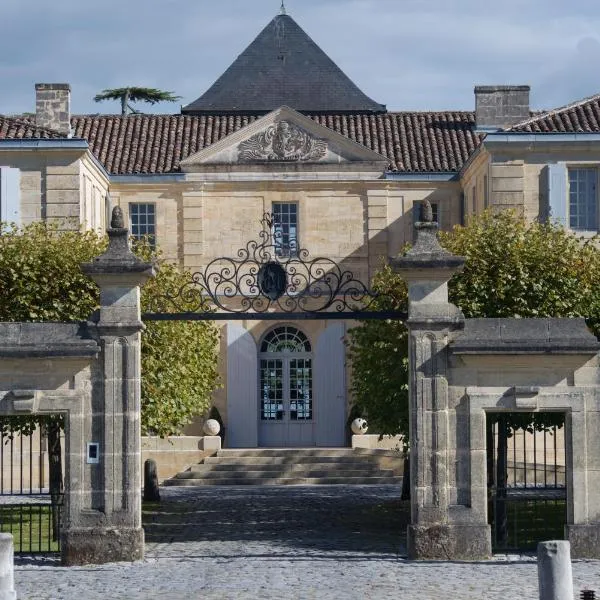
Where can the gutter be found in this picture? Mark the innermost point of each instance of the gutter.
(393, 176)
(148, 178)
(538, 138)
(44, 144)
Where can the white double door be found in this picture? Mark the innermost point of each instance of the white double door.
(286, 415)
(299, 415)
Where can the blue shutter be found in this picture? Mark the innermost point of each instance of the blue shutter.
(556, 180)
(10, 195)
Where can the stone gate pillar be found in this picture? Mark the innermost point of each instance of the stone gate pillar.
(433, 534)
(109, 525)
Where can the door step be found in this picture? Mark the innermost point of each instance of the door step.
(294, 466)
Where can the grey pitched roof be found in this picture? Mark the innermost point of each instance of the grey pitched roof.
(283, 66)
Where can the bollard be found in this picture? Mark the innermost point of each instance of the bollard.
(151, 491)
(7, 568)
(555, 576)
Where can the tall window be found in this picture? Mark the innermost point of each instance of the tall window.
(583, 199)
(285, 229)
(143, 222)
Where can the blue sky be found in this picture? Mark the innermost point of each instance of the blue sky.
(408, 54)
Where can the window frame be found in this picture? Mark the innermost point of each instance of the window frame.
(291, 250)
(595, 168)
(151, 237)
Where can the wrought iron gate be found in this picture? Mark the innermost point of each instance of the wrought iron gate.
(526, 479)
(262, 282)
(31, 487)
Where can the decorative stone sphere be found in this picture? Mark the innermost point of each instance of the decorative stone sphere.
(211, 427)
(359, 426)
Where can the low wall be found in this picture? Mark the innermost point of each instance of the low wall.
(173, 454)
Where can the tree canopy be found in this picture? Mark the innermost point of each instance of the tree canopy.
(513, 269)
(41, 280)
(135, 94)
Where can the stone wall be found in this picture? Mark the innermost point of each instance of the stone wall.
(67, 189)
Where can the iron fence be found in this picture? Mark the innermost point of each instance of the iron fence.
(526, 479)
(31, 490)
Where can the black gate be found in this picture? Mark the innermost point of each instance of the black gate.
(31, 482)
(271, 279)
(526, 479)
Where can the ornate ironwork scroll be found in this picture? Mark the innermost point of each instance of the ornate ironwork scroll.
(282, 141)
(267, 279)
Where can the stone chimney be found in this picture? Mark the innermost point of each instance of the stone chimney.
(53, 106)
(500, 106)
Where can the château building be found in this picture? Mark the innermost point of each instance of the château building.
(284, 131)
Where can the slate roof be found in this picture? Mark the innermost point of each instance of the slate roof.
(582, 116)
(21, 128)
(283, 66)
(413, 142)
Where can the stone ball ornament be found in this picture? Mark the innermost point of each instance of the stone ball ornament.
(211, 427)
(359, 426)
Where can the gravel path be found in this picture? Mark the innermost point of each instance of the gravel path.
(322, 542)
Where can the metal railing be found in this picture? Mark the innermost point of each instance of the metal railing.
(28, 509)
(526, 481)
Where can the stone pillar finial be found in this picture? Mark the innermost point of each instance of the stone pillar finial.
(117, 221)
(427, 268)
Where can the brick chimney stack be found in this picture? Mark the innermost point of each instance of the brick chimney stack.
(500, 106)
(53, 106)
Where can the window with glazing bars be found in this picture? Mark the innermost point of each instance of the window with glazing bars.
(285, 229)
(583, 199)
(143, 222)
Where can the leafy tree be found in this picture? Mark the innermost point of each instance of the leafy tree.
(41, 280)
(135, 94)
(512, 269)
(379, 356)
(518, 269)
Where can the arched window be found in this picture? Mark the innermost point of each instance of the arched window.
(285, 339)
(285, 376)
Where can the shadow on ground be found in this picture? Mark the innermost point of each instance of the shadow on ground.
(329, 518)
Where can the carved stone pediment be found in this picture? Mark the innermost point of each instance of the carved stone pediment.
(282, 141)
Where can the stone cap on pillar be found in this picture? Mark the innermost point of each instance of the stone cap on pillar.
(427, 268)
(118, 258)
(427, 252)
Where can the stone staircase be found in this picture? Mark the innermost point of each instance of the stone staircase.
(293, 466)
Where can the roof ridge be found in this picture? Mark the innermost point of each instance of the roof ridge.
(544, 114)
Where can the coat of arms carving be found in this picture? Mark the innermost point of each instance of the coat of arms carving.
(282, 141)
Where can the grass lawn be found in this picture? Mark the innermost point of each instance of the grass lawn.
(30, 525)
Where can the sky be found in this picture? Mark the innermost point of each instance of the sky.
(407, 54)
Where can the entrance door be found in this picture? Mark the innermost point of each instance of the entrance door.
(285, 389)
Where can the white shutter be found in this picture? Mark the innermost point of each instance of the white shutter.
(242, 389)
(556, 183)
(10, 195)
(330, 387)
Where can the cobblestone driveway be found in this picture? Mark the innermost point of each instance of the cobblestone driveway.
(318, 542)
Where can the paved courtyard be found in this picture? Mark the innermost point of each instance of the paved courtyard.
(325, 542)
